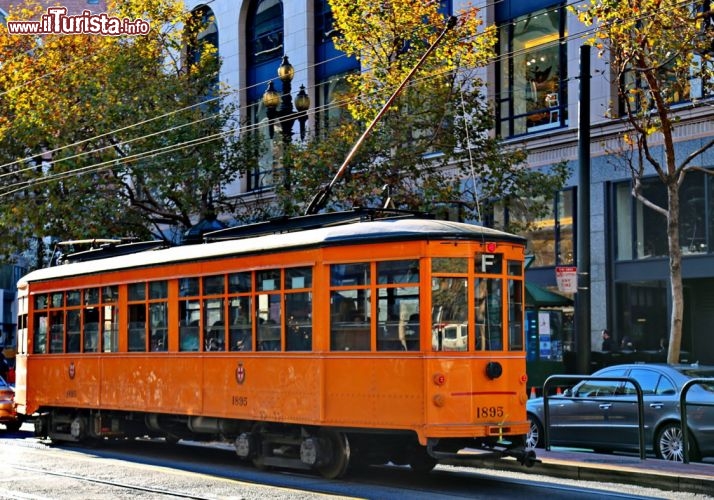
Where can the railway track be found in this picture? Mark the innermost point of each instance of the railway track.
(168, 493)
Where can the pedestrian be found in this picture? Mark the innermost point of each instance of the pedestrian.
(606, 341)
(626, 345)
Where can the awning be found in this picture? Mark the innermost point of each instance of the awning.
(537, 296)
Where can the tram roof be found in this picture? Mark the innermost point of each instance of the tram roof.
(382, 230)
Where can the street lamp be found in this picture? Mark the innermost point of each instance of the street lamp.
(285, 114)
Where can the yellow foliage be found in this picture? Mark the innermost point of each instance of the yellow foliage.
(388, 38)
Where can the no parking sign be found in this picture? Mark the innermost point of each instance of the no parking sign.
(567, 279)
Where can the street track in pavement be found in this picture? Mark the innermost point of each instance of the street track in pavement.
(114, 484)
(156, 470)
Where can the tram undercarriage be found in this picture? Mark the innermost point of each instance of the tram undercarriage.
(329, 451)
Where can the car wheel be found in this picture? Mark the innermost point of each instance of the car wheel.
(535, 437)
(669, 444)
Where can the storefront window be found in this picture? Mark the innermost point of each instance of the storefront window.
(641, 308)
(551, 237)
(641, 232)
(531, 79)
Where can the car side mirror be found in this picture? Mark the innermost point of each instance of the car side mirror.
(568, 392)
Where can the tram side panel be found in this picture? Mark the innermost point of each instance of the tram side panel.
(162, 383)
(263, 386)
(371, 392)
(462, 400)
(60, 381)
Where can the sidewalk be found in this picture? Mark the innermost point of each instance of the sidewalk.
(652, 472)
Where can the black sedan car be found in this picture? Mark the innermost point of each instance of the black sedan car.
(602, 415)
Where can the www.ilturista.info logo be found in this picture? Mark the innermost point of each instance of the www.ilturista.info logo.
(58, 22)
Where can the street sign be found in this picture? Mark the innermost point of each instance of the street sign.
(567, 278)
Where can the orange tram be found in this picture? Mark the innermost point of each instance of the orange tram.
(314, 345)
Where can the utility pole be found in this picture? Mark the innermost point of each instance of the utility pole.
(582, 299)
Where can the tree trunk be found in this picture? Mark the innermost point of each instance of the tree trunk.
(675, 273)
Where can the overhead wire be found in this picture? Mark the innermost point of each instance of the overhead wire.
(159, 117)
(202, 103)
(164, 148)
(170, 148)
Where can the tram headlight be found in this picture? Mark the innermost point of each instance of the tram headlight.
(494, 370)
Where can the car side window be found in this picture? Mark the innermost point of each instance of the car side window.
(593, 388)
(648, 380)
(665, 387)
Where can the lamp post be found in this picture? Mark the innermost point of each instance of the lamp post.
(280, 109)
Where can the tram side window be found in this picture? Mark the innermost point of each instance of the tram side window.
(137, 317)
(350, 307)
(397, 306)
(488, 296)
(515, 315)
(158, 325)
(73, 322)
(240, 315)
(73, 330)
(215, 337)
(110, 319)
(213, 313)
(57, 322)
(22, 326)
(298, 309)
(268, 312)
(137, 327)
(40, 325)
(449, 296)
(90, 320)
(241, 323)
(189, 325)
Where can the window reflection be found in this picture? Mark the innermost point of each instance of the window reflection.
(531, 95)
(551, 236)
(641, 232)
(266, 31)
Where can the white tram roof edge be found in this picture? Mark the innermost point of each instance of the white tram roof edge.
(372, 231)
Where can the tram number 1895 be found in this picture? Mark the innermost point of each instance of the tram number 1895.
(240, 401)
(489, 411)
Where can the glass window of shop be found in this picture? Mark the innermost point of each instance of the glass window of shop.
(551, 235)
(531, 73)
(641, 312)
(264, 41)
(641, 232)
(331, 68)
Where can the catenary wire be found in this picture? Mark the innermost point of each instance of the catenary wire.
(200, 104)
(101, 166)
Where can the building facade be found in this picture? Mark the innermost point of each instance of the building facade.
(534, 85)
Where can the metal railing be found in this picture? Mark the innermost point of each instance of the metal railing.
(580, 378)
(683, 409)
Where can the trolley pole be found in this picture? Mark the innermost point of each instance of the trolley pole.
(582, 299)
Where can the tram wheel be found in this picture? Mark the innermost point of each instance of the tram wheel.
(339, 455)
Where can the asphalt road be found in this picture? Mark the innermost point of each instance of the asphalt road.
(156, 470)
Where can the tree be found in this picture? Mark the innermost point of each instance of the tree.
(105, 136)
(656, 49)
(434, 147)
